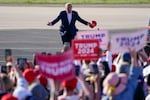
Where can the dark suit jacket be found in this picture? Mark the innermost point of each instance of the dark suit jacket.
(65, 26)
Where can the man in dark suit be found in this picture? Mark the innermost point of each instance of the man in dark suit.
(68, 19)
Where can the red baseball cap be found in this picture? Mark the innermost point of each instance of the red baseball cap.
(94, 23)
(71, 84)
(29, 75)
(8, 96)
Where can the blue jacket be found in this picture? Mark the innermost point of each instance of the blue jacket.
(65, 26)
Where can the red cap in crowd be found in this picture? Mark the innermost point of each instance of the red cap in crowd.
(71, 84)
(8, 96)
(29, 75)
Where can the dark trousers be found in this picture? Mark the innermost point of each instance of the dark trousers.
(67, 37)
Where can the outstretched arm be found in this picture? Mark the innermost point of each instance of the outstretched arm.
(85, 86)
(82, 20)
(90, 24)
(54, 21)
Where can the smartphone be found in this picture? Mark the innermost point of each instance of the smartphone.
(21, 62)
(77, 70)
(95, 68)
(8, 52)
(4, 69)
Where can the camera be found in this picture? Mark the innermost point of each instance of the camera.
(8, 55)
(21, 62)
(5, 69)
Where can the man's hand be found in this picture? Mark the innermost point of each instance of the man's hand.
(91, 25)
(63, 33)
(49, 24)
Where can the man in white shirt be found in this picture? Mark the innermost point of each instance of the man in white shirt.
(68, 19)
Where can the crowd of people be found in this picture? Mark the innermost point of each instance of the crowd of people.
(111, 77)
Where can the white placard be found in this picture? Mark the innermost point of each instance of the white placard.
(120, 42)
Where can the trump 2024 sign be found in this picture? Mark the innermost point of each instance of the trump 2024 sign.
(87, 49)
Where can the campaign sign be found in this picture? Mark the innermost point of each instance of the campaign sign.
(101, 35)
(120, 42)
(58, 66)
(87, 49)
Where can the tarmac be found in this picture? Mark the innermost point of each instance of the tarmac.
(23, 27)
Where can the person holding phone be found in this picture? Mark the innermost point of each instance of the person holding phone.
(68, 19)
(8, 55)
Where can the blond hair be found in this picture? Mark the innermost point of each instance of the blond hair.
(68, 3)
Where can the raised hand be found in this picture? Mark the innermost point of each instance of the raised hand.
(49, 24)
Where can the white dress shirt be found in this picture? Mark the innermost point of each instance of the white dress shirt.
(69, 16)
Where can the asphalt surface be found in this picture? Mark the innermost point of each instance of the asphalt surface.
(26, 42)
(23, 28)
